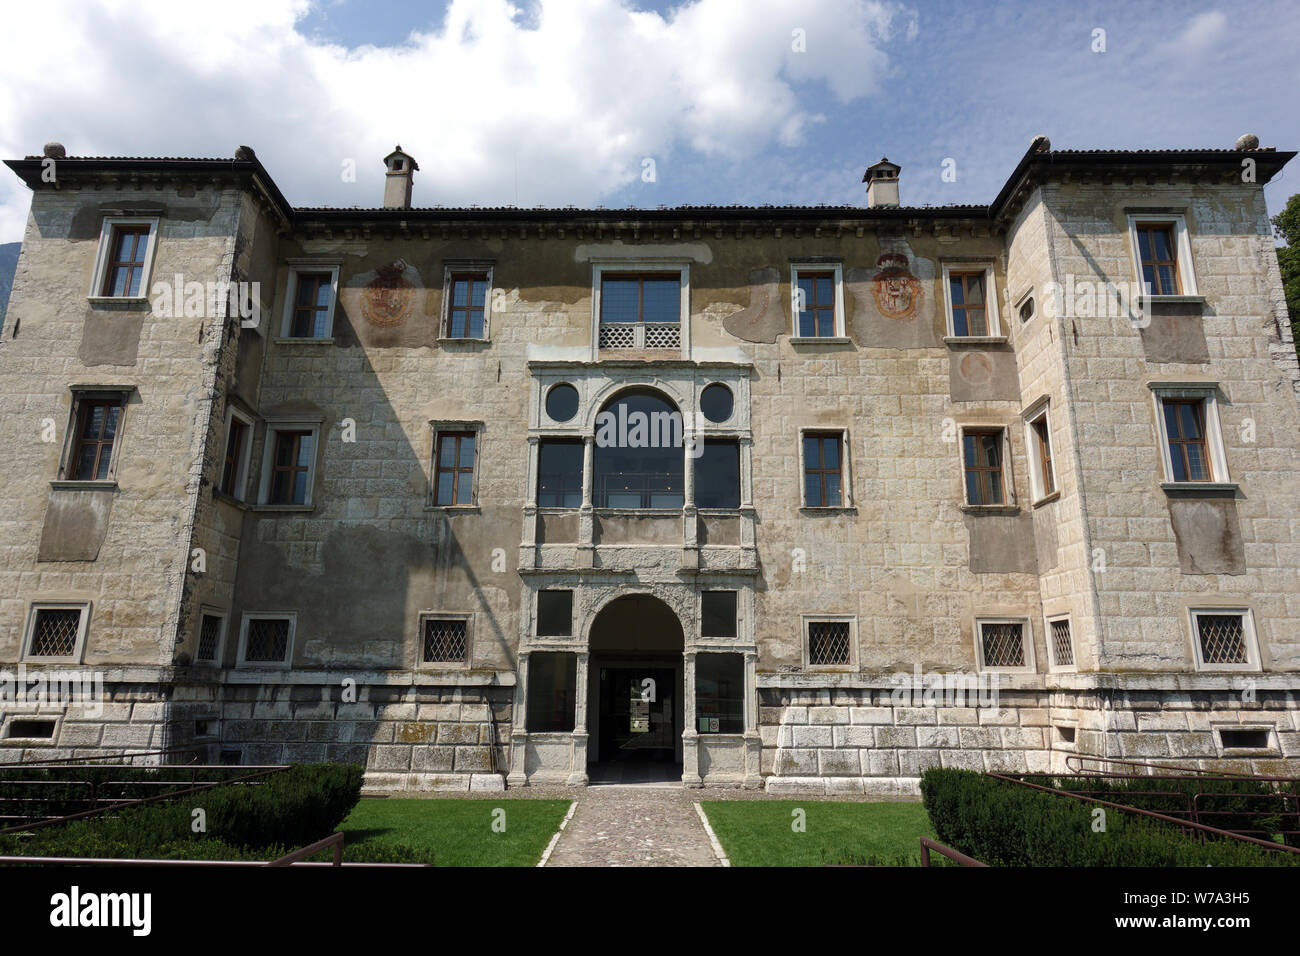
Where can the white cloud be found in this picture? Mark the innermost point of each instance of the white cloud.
(573, 96)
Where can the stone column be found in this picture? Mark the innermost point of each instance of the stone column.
(528, 546)
(690, 516)
(690, 736)
(583, 557)
(578, 768)
(518, 776)
(753, 741)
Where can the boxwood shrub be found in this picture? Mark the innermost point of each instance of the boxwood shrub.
(1004, 824)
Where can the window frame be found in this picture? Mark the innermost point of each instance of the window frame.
(1008, 484)
(439, 429)
(1043, 482)
(269, 441)
(1026, 644)
(735, 623)
(846, 467)
(242, 466)
(299, 267)
(1186, 273)
(451, 270)
(836, 269)
(430, 614)
(83, 629)
(107, 232)
(1052, 665)
(241, 660)
(1249, 637)
(1216, 452)
(992, 316)
(218, 654)
(82, 394)
(805, 642)
(600, 268)
(537, 611)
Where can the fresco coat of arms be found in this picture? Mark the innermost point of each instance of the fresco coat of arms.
(897, 292)
(389, 298)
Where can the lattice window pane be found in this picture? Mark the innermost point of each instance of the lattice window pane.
(268, 640)
(1062, 646)
(209, 635)
(1004, 644)
(445, 641)
(663, 336)
(55, 632)
(828, 642)
(1223, 638)
(617, 337)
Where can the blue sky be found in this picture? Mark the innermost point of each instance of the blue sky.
(558, 102)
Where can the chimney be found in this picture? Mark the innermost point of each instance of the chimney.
(882, 184)
(397, 182)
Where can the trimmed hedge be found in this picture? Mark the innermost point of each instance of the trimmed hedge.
(1003, 824)
(40, 791)
(291, 808)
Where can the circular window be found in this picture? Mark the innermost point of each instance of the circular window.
(716, 403)
(562, 402)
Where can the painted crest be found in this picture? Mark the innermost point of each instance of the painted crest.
(897, 292)
(389, 298)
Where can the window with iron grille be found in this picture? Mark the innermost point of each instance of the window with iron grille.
(1003, 643)
(1222, 638)
(445, 640)
(209, 638)
(1062, 644)
(982, 457)
(55, 632)
(267, 640)
(829, 643)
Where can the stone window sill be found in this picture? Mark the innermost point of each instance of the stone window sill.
(1174, 299)
(288, 509)
(122, 300)
(73, 485)
(303, 340)
(464, 340)
(454, 509)
(991, 509)
(1047, 499)
(974, 341)
(820, 340)
(1200, 489)
(828, 509)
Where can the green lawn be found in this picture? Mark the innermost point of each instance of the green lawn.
(760, 832)
(459, 832)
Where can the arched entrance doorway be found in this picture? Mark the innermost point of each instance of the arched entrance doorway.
(635, 693)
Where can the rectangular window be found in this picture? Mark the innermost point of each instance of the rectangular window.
(267, 639)
(127, 261)
(720, 693)
(1062, 643)
(444, 640)
(969, 304)
(829, 643)
(96, 429)
(1041, 443)
(640, 311)
(234, 466)
(1002, 646)
(816, 299)
(1244, 739)
(823, 469)
(453, 482)
(559, 473)
(554, 613)
(313, 292)
(466, 313)
(1158, 250)
(717, 474)
(32, 729)
(211, 631)
(1185, 432)
(56, 631)
(982, 457)
(552, 692)
(1222, 638)
(718, 614)
(291, 467)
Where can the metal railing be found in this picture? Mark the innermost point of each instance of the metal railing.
(955, 855)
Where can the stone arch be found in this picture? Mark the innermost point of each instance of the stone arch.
(636, 621)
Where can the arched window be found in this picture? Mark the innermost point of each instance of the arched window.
(639, 453)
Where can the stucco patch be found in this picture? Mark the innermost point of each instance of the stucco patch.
(1176, 333)
(1001, 544)
(764, 319)
(983, 375)
(1208, 535)
(110, 338)
(76, 521)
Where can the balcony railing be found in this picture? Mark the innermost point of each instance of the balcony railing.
(640, 335)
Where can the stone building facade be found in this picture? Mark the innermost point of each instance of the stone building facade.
(368, 485)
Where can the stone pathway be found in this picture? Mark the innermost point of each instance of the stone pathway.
(634, 826)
